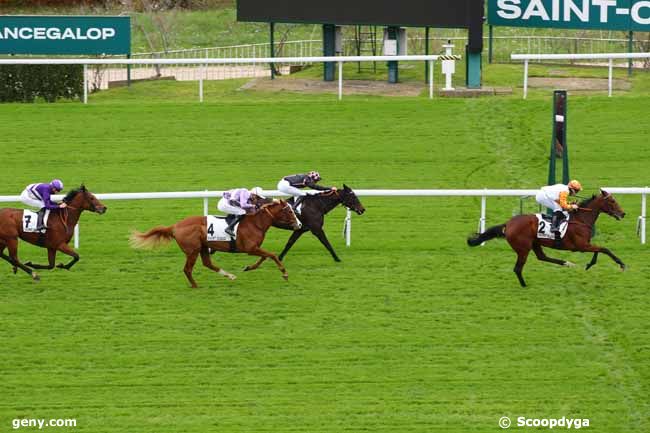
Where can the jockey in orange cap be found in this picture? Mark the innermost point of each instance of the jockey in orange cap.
(555, 198)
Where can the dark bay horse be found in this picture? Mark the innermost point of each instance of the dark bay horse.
(59, 232)
(313, 211)
(521, 233)
(191, 236)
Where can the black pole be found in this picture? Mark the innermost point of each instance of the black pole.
(490, 42)
(272, 28)
(426, 53)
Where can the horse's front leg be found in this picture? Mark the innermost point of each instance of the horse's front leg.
(596, 249)
(65, 249)
(267, 254)
(51, 258)
(255, 265)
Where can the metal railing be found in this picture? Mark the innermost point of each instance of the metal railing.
(610, 57)
(483, 193)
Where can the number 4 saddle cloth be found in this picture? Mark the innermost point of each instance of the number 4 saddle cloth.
(217, 229)
(544, 227)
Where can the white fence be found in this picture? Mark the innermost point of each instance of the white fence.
(483, 193)
(204, 62)
(610, 57)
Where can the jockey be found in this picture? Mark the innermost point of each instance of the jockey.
(238, 202)
(555, 198)
(293, 184)
(38, 195)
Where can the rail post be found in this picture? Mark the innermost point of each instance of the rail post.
(85, 84)
(76, 237)
(430, 79)
(642, 218)
(525, 78)
(610, 77)
(348, 228)
(340, 80)
(206, 207)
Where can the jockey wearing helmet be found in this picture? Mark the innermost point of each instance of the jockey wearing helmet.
(293, 184)
(237, 203)
(555, 198)
(38, 195)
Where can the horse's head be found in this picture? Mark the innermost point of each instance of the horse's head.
(83, 199)
(610, 206)
(282, 215)
(350, 200)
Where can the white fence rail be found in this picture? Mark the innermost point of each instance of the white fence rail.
(610, 57)
(483, 193)
(202, 62)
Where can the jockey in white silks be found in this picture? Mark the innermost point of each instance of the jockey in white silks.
(294, 184)
(238, 202)
(555, 197)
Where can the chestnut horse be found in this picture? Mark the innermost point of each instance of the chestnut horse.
(191, 235)
(521, 233)
(59, 232)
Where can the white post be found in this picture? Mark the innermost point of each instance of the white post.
(525, 79)
(430, 79)
(643, 217)
(206, 207)
(611, 73)
(201, 83)
(348, 228)
(85, 84)
(76, 236)
(483, 212)
(340, 80)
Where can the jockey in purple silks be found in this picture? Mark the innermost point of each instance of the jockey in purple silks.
(38, 196)
(238, 202)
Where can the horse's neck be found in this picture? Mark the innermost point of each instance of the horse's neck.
(71, 216)
(326, 203)
(262, 220)
(590, 217)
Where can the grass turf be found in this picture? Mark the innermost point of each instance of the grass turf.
(413, 331)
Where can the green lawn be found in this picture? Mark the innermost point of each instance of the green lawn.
(413, 331)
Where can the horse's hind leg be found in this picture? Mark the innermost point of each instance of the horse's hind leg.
(207, 262)
(539, 252)
(519, 266)
(255, 265)
(189, 265)
(320, 234)
(12, 246)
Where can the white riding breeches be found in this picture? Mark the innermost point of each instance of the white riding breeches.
(224, 206)
(28, 198)
(285, 187)
(548, 202)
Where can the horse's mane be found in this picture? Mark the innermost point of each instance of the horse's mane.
(585, 203)
(73, 193)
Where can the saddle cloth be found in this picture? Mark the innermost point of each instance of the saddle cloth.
(30, 220)
(217, 229)
(544, 227)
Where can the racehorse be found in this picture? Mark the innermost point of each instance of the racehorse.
(521, 233)
(59, 232)
(191, 235)
(312, 216)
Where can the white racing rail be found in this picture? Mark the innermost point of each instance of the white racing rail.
(483, 193)
(211, 61)
(610, 57)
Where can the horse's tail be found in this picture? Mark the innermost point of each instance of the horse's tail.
(491, 233)
(154, 238)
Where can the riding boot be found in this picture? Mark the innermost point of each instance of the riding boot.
(40, 226)
(297, 201)
(558, 217)
(232, 220)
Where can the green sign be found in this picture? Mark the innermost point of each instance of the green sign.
(27, 34)
(627, 15)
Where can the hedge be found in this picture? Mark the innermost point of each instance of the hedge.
(26, 83)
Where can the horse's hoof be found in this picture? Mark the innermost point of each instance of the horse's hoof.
(247, 268)
(569, 264)
(28, 264)
(588, 267)
(35, 277)
(232, 277)
(623, 268)
(336, 259)
(15, 270)
(286, 277)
